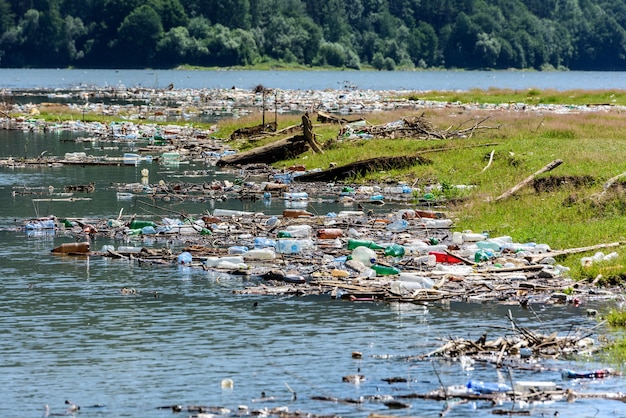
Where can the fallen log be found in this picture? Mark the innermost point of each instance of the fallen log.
(569, 251)
(528, 179)
(362, 167)
(276, 151)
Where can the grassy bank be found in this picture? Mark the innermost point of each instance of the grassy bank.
(566, 210)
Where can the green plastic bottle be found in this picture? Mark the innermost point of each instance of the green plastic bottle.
(138, 224)
(384, 270)
(283, 234)
(353, 243)
(394, 250)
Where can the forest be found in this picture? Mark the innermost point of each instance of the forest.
(352, 34)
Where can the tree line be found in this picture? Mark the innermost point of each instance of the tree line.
(383, 34)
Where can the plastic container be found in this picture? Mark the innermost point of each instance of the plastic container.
(296, 196)
(437, 223)
(483, 255)
(148, 230)
(384, 270)
(296, 213)
(488, 245)
(329, 233)
(365, 255)
(237, 249)
(299, 231)
(394, 250)
(443, 257)
(260, 254)
(230, 212)
(408, 277)
(472, 237)
(487, 387)
(184, 258)
(293, 245)
(128, 249)
(138, 224)
(72, 247)
(400, 225)
(354, 243)
(263, 242)
(214, 261)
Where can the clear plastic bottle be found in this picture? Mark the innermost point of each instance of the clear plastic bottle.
(398, 226)
(365, 255)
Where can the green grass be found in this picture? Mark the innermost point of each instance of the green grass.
(569, 215)
(530, 96)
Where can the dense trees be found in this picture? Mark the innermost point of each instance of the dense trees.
(384, 34)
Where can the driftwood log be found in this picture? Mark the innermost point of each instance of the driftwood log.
(279, 150)
(362, 167)
(528, 179)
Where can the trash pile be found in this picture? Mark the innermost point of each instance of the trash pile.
(406, 255)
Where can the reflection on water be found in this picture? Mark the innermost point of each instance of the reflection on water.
(70, 333)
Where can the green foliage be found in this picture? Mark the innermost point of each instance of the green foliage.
(383, 34)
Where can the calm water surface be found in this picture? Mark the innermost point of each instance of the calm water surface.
(68, 333)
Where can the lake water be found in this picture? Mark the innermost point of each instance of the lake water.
(316, 80)
(68, 332)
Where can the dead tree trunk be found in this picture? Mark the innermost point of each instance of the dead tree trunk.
(528, 179)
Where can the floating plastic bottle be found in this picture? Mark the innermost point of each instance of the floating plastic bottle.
(296, 196)
(365, 255)
(296, 213)
(487, 387)
(72, 247)
(293, 245)
(128, 249)
(397, 226)
(394, 250)
(483, 255)
(384, 270)
(138, 224)
(260, 254)
(148, 230)
(488, 245)
(263, 242)
(329, 233)
(299, 231)
(184, 258)
(237, 249)
(354, 243)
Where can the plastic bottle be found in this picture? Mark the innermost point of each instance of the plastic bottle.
(148, 230)
(272, 222)
(384, 270)
(487, 387)
(354, 243)
(128, 249)
(472, 237)
(72, 247)
(397, 226)
(329, 233)
(237, 249)
(259, 254)
(184, 258)
(263, 242)
(138, 224)
(296, 213)
(394, 250)
(293, 245)
(299, 231)
(483, 255)
(230, 212)
(437, 223)
(365, 255)
(296, 196)
(409, 277)
(488, 245)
